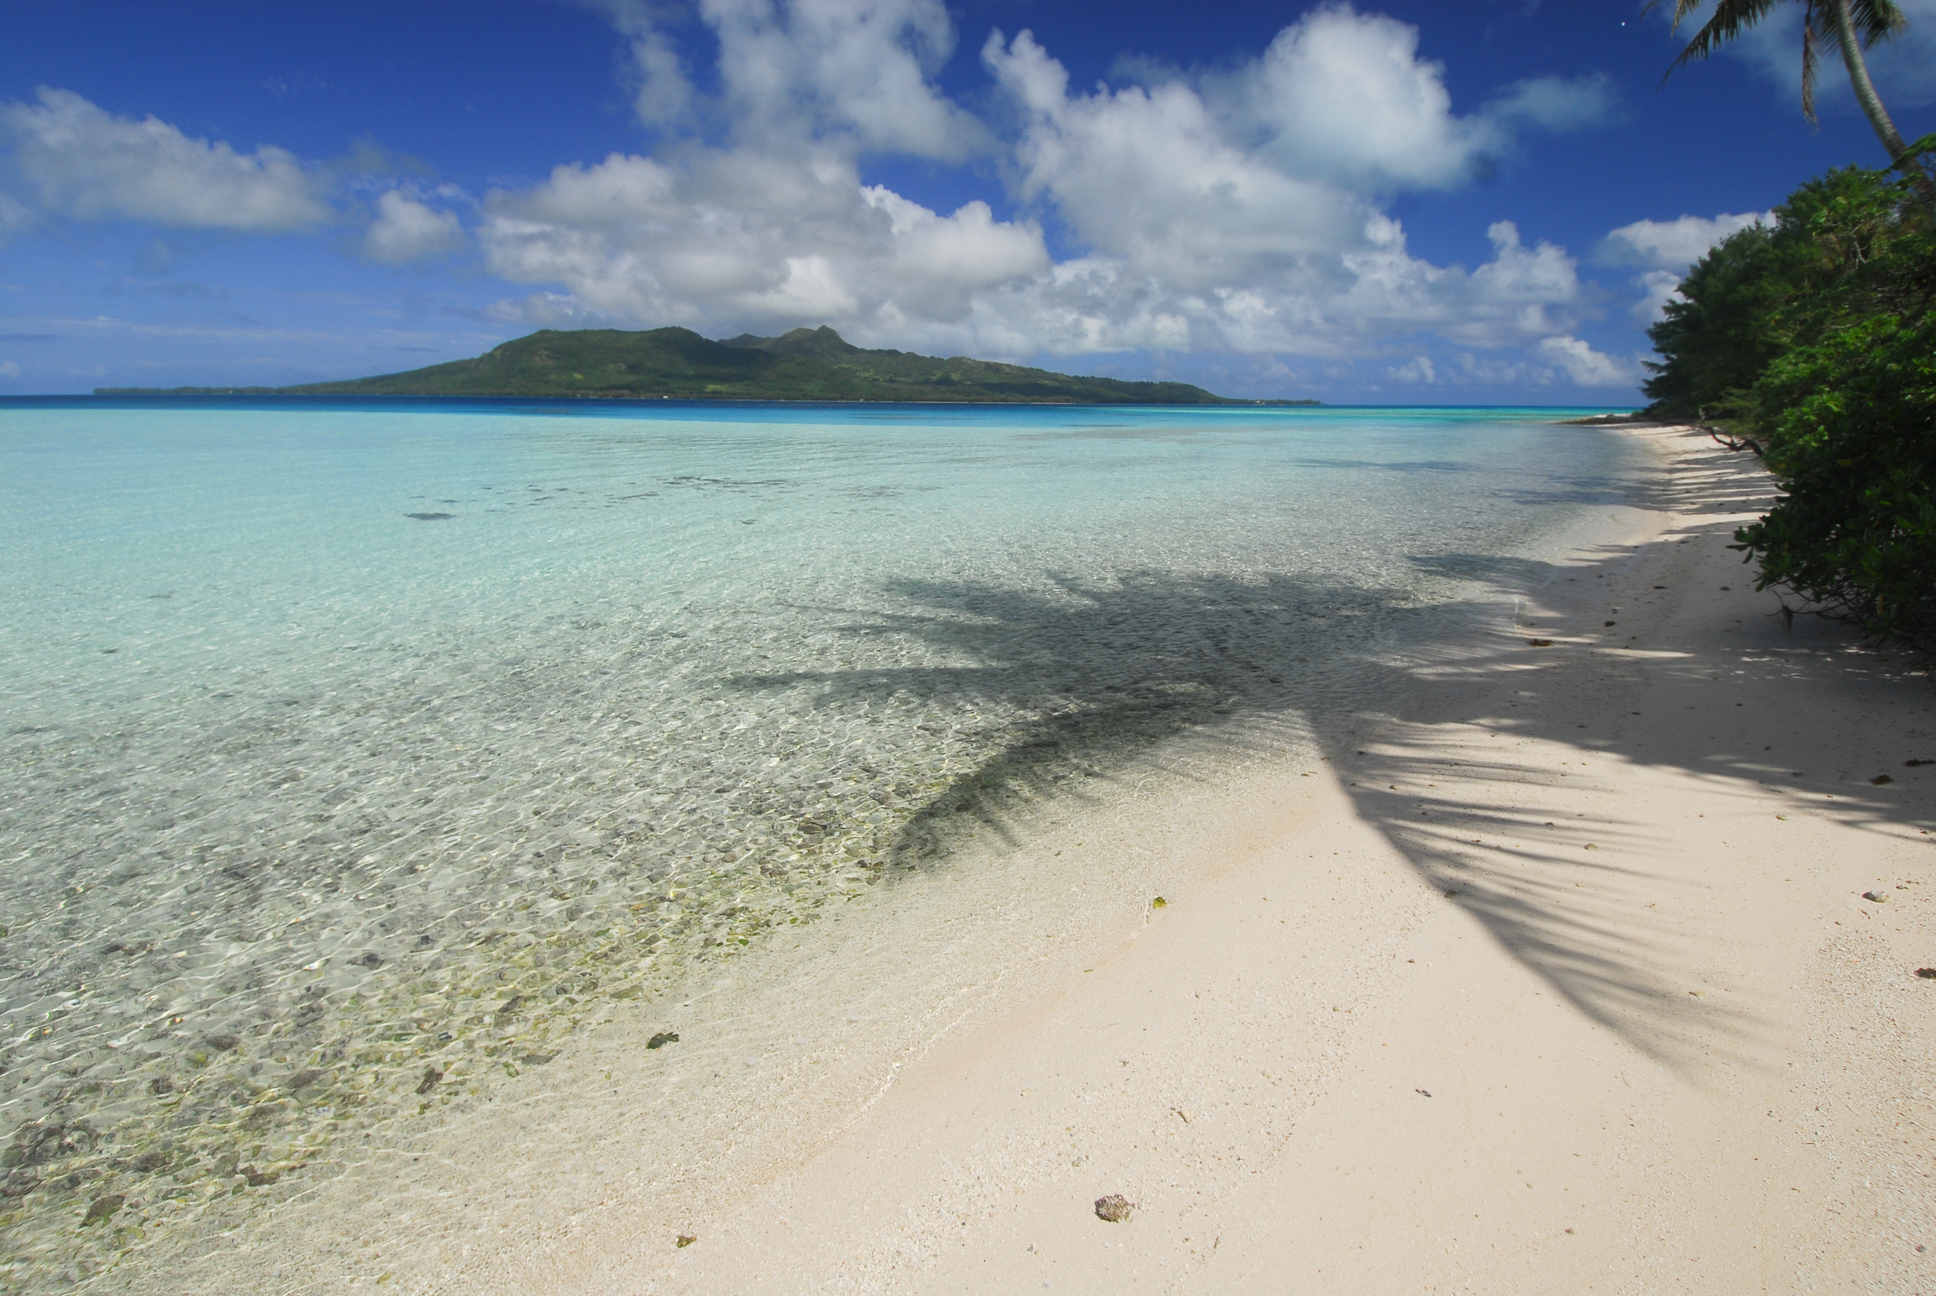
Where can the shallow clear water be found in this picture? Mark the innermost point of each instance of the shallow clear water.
(350, 756)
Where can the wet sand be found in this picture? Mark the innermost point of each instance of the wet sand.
(1560, 977)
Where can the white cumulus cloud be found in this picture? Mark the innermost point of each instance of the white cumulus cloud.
(1679, 243)
(789, 70)
(840, 66)
(407, 229)
(1344, 96)
(734, 237)
(1657, 288)
(74, 159)
(1665, 250)
(1585, 366)
(1419, 369)
(664, 93)
(1238, 210)
(1235, 212)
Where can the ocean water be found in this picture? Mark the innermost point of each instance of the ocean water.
(352, 756)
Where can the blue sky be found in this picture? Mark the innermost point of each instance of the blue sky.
(1410, 202)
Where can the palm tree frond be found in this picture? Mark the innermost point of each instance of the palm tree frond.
(1682, 8)
(1731, 18)
(1850, 25)
(1877, 19)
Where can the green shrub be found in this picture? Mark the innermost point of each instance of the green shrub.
(1764, 289)
(1813, 343)
(1850, 426)
(1717, 335)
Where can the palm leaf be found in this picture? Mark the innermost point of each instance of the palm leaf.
(1731, 18)
(1876, 19)
(1861, 22)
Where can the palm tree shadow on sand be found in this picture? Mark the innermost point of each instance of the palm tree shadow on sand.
(1107, 675)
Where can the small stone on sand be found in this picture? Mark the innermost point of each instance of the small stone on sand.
(1113, 1209)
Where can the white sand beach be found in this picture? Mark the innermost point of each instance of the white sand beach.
(1560, 978)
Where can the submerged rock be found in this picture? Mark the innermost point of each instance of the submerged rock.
(102, 1209)
(1113, 1209)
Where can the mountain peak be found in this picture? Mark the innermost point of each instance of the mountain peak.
(822, 341)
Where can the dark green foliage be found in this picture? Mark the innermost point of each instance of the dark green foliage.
(1814, 344)
(1761, 291)
(1846, 415)
(806, 364)
(1717, 335)
(1853, 439)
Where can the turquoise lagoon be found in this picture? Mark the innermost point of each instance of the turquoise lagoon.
(353, 754)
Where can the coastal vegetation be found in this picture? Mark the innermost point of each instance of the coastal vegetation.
(679, 364)
(1811, 342)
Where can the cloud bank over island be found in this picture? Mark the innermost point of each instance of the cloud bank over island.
(1230, 211)
(1241, 211)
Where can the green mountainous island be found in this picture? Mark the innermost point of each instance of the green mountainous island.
(676, 363)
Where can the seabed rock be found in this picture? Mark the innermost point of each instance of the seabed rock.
(102, 1209)
(1113, 1209)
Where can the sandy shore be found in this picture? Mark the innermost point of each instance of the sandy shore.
(1559, 980)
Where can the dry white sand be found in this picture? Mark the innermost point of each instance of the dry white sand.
(1559, 980)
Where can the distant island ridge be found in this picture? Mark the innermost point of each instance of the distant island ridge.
(678, 364)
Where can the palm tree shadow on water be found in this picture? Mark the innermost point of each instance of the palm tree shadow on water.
(1090, 677)
(1103, 675)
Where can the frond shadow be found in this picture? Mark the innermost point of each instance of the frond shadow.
(1107, 674)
